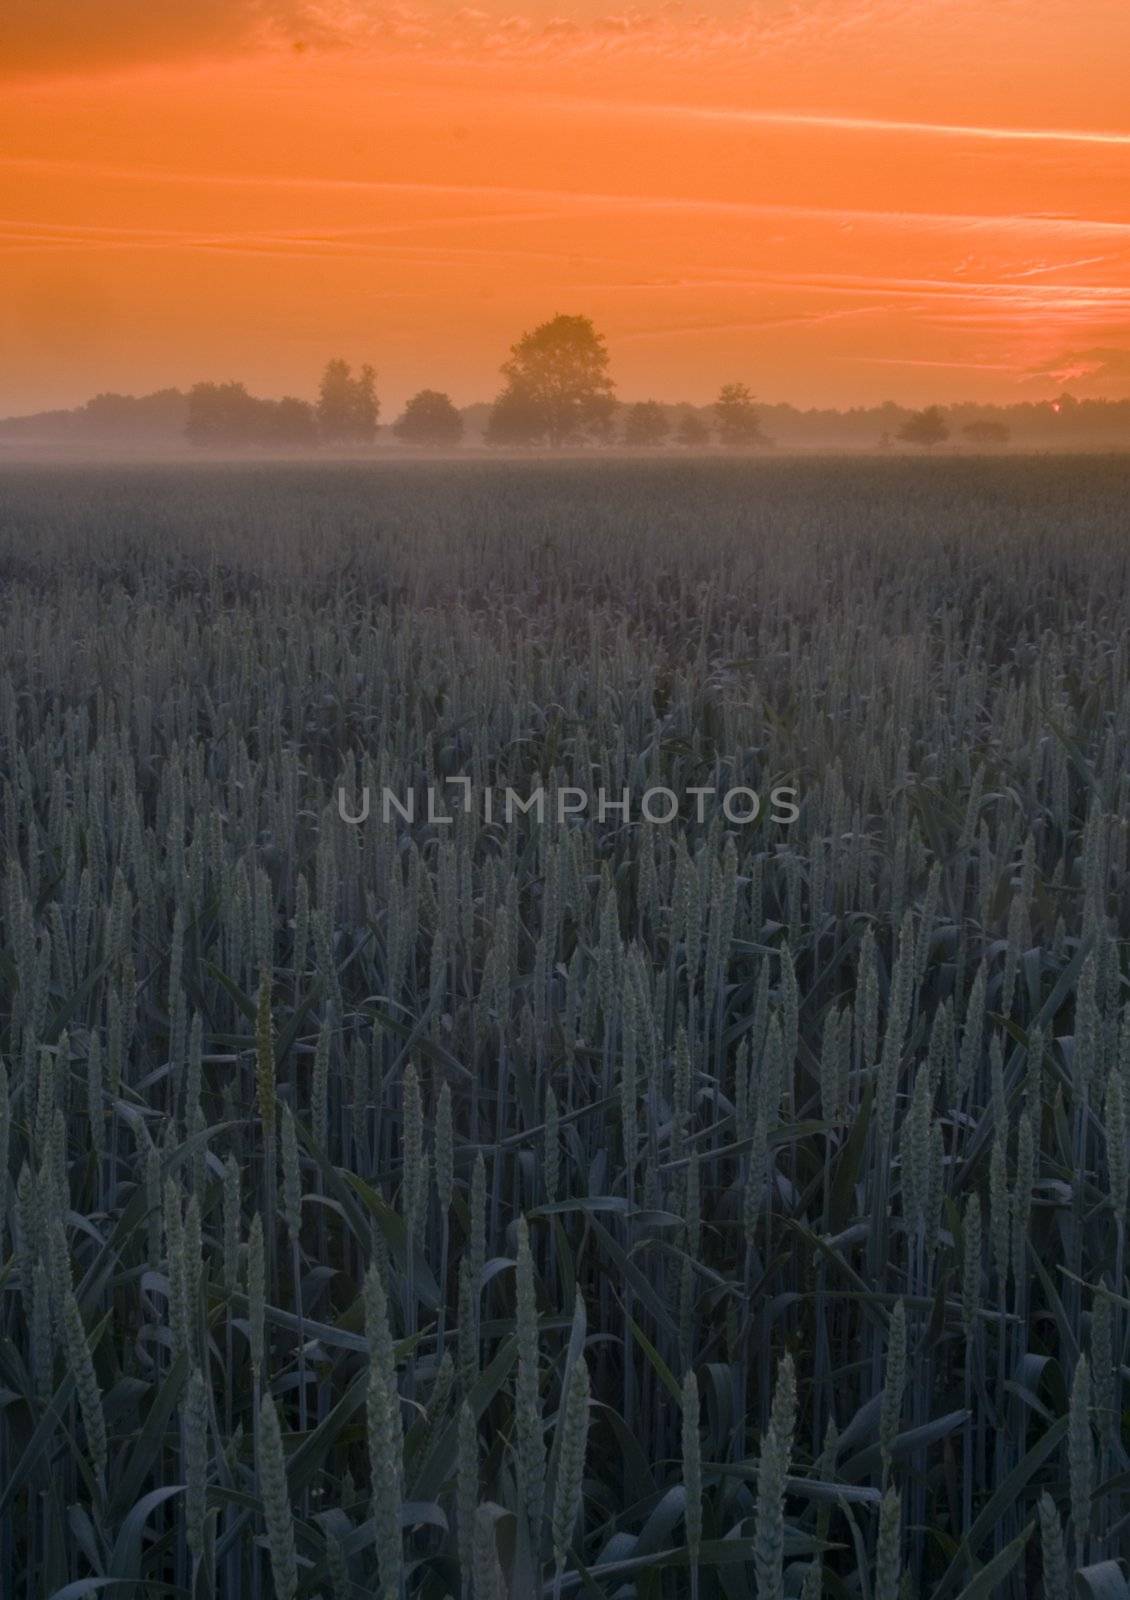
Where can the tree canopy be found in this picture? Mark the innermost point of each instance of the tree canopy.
(429, 419)
(225, 416)
(692, 432)
(558, 389)
(928, 427)
(646, 424)
(739, 426)
(347, 406)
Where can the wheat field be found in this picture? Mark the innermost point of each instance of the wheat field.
(591, 1206)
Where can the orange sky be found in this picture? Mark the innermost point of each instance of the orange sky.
(837, 201)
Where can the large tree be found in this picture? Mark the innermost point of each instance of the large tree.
(928, 427)
(558, 389)
(429, 419)
(347, 406)
(646, 424)
(739, 426)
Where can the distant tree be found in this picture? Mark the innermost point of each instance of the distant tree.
(646, 424)
(557, 388)
(225, 415)
(987, 433)
(335, 400)
(429, 419)
(692, 432)
(738, 424)
(928, 427)
(884, 440)
(294, 424)
(347, 406)
(515, 418)
(161, 415)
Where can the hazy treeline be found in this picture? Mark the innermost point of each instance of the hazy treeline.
(558, 391)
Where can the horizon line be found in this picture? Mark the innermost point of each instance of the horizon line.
(706, 405)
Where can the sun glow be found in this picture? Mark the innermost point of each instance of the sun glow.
(839, 203)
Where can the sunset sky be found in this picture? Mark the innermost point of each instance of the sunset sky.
(838, 201)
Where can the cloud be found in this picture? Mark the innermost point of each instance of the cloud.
(744, 117)
(61, 36)
(1099, 370)
(58, 36)
(976, 222)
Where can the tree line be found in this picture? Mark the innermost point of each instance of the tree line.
(929, 428)
(557, 391)
(346, 412)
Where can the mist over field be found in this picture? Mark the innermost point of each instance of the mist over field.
(157, 427)
(602, 1200)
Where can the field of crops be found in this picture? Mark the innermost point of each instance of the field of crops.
(505, 1207)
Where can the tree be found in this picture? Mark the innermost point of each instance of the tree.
(927, 428)
(294, 424)
(515, 418)
(224, 415)
(429, 419)
(158, 416)
(557, 386)
(692, 432)
(347, 406)
(738, 424)
(987, 433)
(646, 425)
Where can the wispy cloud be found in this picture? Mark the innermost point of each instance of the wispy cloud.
(739, 116)
(745, 325)
(1020, 222)
(60, 36)
(88, 36)
(922, 361)
(1098, 368)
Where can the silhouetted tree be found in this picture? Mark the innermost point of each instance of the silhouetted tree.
(294, 424)
(347, 406)
(987, 433)
(429, 419)
(224, 414)
(515, 418)
(646, 424)
(692, 432)
(738, 425)
(557, 386)
(155, 415)
(928, 427)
